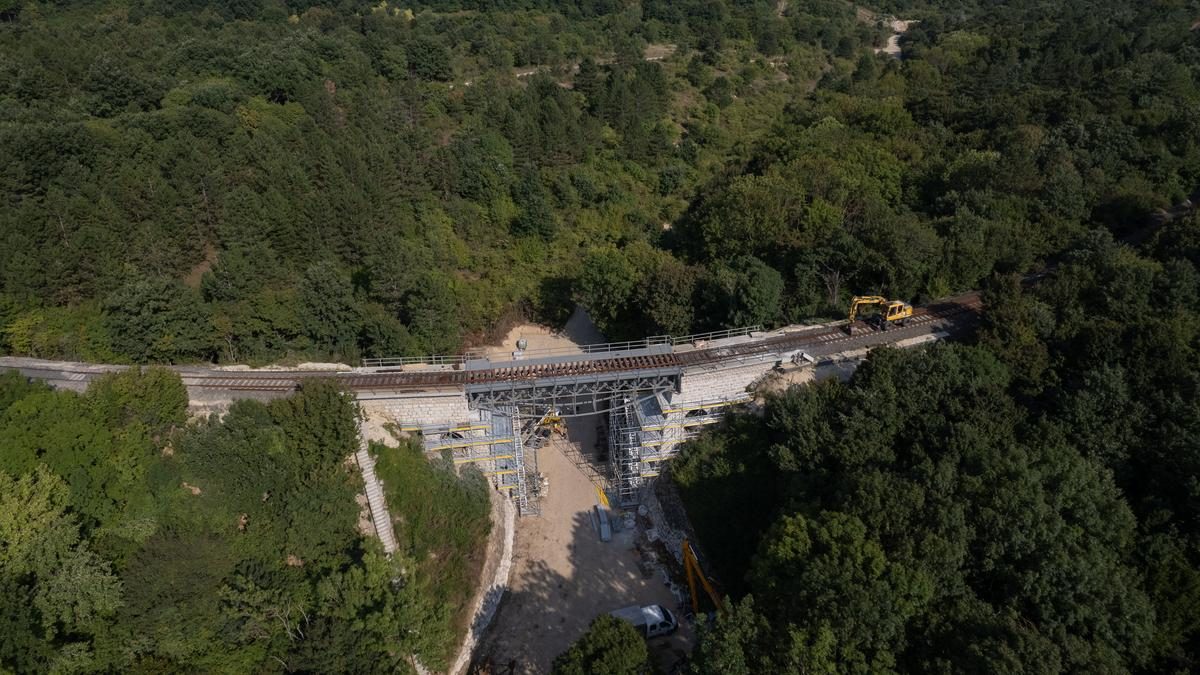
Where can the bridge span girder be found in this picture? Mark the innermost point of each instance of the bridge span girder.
(598, 393)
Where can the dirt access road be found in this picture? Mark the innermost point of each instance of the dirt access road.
(563, 576)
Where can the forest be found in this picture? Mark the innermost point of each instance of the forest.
(132, 541)
(274, 181)
(1025, 502)
(268, 181)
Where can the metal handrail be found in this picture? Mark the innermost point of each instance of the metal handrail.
(716, 335)
(598, 348)
(627, 345)
(431, 360)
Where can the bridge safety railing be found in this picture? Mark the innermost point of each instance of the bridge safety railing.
(598, 348)
(716, 335)
(643, 343)
(460, 359)
(602, 347)
(433, 360)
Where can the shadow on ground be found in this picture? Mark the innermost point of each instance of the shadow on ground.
(547, 610)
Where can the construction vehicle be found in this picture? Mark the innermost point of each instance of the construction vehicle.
(691, 567)
(890, 311)
(554, 423)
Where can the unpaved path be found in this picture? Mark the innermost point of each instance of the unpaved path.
(899, 27)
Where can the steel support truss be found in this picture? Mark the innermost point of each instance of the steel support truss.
(599, 393)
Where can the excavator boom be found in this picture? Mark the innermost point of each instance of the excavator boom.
(691, 567)
(867, 300)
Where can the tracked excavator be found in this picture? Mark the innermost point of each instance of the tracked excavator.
(889, 311)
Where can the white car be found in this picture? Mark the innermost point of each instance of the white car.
(650, 620)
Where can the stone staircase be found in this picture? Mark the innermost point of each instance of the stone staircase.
(375, 499)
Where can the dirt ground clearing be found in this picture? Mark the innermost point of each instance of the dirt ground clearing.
(578, 331)
(563, 576)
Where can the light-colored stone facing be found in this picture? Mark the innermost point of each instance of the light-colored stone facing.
(438, 409)
(719, 384)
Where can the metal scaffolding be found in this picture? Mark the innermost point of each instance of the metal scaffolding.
(645, 432)
(624, 452)
(493, 444)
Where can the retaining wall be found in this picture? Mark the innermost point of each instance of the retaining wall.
(719, 383)
(431, 408)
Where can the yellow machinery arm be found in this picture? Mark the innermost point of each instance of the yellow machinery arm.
(860, 300)
(691, 567)
(891, 310)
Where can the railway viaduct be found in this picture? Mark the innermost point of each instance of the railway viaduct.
(655, 393)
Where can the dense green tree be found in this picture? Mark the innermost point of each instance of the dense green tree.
(57, 592)
(482, 164)
(997, 525)
(328, 309)
(57, 431)
(428, 59)
(383, 334)
(429, 310)
(610, 645)
(666, 297)
(240, 274)
(849, 604)
(157, 320)
(172, 608)
(14, 386)
(154, 398)
(746, 293)
(535, 217)
(729, 644)
(252, 145)
(228, 545)
(589, 81)
(606, 281)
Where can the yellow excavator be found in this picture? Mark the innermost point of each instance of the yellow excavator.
(691, 567)
(890, 311)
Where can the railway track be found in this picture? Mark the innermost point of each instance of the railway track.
(955, 312)
(963, 308)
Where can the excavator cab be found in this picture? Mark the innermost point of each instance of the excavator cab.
(889, 312)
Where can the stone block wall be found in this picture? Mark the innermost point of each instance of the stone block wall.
(708, 384)
(426, 409)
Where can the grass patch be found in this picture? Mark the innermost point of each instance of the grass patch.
(442, 522)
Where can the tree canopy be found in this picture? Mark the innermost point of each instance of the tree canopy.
(131, 540)
(1015, 504)
(610, 646)
(261, 180)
